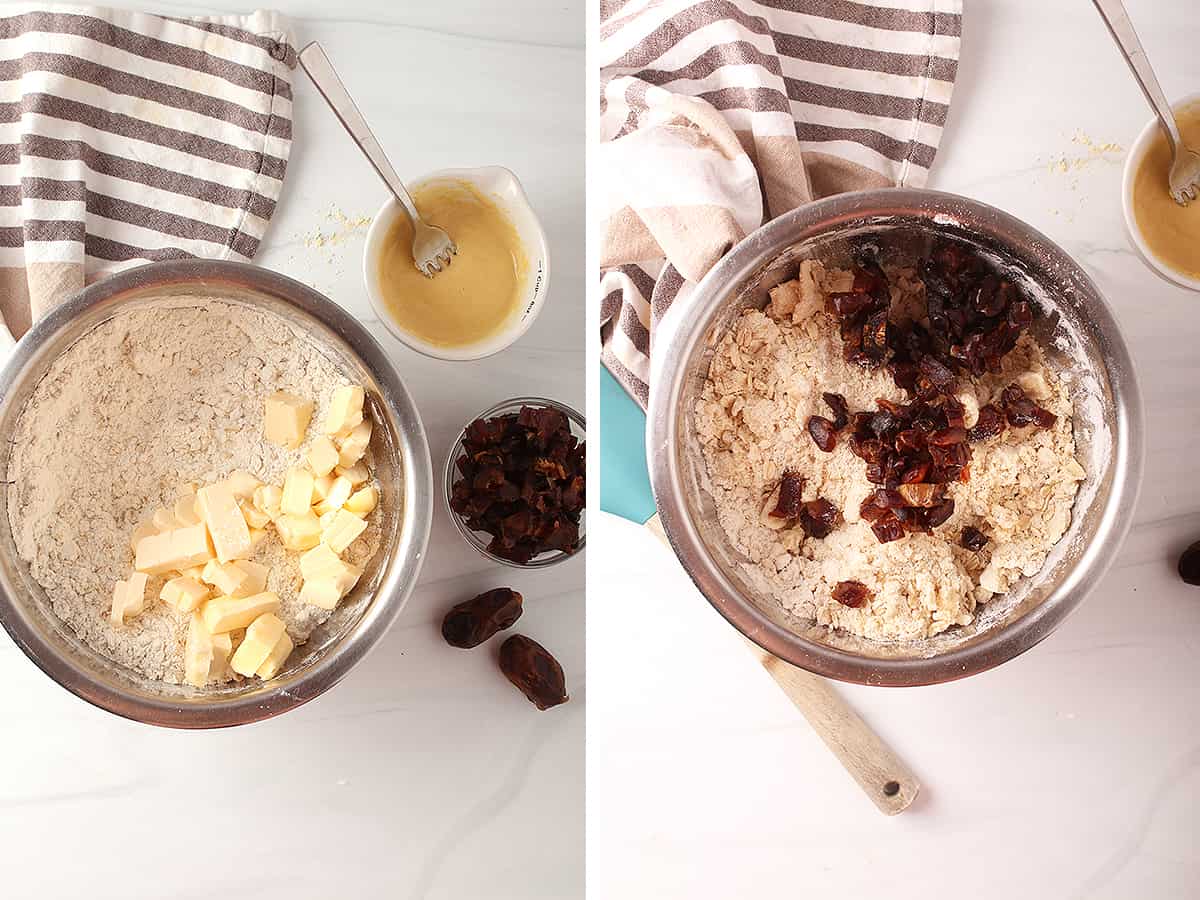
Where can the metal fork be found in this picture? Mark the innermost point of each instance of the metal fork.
(432, 248)
(1184, 178)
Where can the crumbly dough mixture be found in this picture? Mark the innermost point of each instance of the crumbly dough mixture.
(765, 380)
(147, 401)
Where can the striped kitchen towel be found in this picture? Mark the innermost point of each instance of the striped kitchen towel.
(127, 138)
(718, 115)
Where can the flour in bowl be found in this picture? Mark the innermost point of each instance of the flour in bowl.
(767, 378)
(151, 400)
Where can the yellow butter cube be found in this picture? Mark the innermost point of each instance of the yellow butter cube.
(222, 645)
(255, 517)
(342, 530)
(129, 598)
(276, 658)
(322, 592)
(185, 511)
(362, 501)
(327, 519)
(184, 593)
(321, 486)
(322, 455)
(357, 473)
(287, 419)
(145, 530)
(222, 614)
(229, 579)
(352, 447)
(164, 519)
(345, 409)
(197, 654)
(205, 655)
(243, 484)
(298, 532)
(267, 498)
(322, 562)
(297, 492)
(256, 575)
(261, 637)
(226, 524)
(193, 572)
(339, 493)
(174, 550)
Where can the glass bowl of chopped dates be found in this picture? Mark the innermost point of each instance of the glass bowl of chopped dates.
(515, 484)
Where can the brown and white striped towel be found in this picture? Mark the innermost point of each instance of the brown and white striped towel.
(716, 116)
(127, 138)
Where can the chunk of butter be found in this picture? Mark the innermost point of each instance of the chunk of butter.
(256, 575)
(255, 517)
(226, 524)
(322, 455)
(205, 655)
(164, 519)
(222, 614)
(321, 486)
(261, 637)
(322, 562)
(354, 445)
(357, 473)
(276, 658)
(184, 593)
(174, 550)
(129, 598)
(297, 492)
(298, 532)
(324, 592)
(345, 409)
(227, 578)
(339, 493)
(342, 530)
(185, 511)
(287, 419)
(267, 498)
(243, 484)
(145, 530)
(362, 501)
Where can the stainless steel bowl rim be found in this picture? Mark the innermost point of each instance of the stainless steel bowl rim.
(284, 692)
(680, 330)
(448, 482)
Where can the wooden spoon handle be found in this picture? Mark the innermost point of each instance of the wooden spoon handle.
(881, 774)
(884, 777)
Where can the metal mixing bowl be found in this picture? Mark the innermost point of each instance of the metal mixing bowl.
(1085, 347)
(401, 465)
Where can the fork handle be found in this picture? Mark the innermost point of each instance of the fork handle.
(314, 61)
(1117, 20)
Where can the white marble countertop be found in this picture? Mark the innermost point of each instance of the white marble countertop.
(424, 774)
(1072, 771)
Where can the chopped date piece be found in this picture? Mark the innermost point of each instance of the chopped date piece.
(470, 623)
(888, 528)
(851, 593)
(537, 674)
(936, 515)
(989, 424)
(1021, 411)
(522, 483)
(973, 539)
(791, 486)
(823, 433)
(818, 518)
(839, 408)
(921, 495)
(1189, 564)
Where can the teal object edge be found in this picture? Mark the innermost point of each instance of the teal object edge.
(624, 478)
